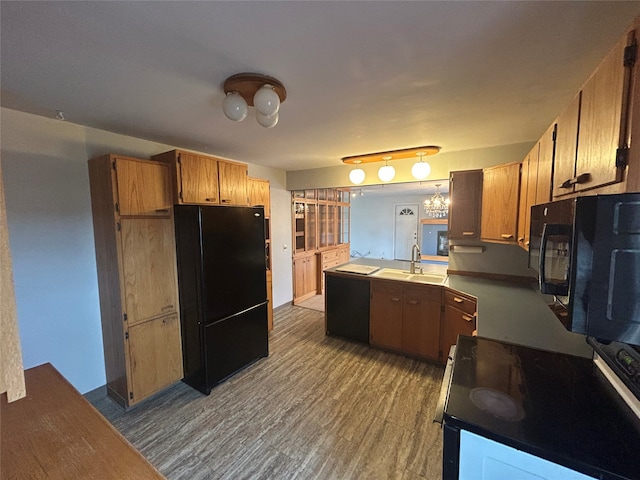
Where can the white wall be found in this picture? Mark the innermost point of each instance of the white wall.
(46, 181)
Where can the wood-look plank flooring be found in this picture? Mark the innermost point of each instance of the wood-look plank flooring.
(317, 408)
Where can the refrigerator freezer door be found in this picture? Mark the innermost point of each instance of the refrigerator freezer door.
(235, 342)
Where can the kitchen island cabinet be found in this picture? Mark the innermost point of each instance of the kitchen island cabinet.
(347, 306)
(386, 314)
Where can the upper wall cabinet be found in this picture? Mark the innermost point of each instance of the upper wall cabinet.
(465, 192)
(205, 180)
(500, 202)
(599, 117)
(133, 197)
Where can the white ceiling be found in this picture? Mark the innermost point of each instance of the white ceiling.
(360, 76)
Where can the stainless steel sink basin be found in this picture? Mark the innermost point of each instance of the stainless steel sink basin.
(396, 274)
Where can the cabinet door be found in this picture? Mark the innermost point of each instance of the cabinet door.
(465, 192)
(148, 268)
(310, 275)
(198, 179)
(144, 188)
(528, 188)
(546, 152)
(421, 322)
(500, 202)
(456, 322)
(232, 179)
(386, 315)
(155, 355)
(564, 164)
(600, 120)
(259, 194)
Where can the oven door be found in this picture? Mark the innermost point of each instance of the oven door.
(444, 389)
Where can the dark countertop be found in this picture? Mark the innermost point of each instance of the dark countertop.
(554, 406)
(507, 311)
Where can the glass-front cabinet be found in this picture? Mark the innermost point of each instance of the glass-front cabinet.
(320, 228)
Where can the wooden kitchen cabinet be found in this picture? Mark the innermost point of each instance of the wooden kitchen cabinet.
(546, 154)
(406, 318)
(331, 258)
(137, 277)
(305, 276)
(459, 317)
(528, 185)
(465, 192)
(421, 313)
(386, 314)
(500, 203)
(205, 180)
(594, 131)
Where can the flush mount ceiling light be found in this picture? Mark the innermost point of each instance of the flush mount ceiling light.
(437, 206)
(387, 172)
(253, 89)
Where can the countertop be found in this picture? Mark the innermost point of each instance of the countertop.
(507, 311)
(54, 432)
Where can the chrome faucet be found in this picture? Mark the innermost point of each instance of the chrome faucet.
(415, 257)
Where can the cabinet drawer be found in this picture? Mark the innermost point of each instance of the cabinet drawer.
(423, 292)
(330, 263)
(461, 302)
(330, 255)
(393, 288)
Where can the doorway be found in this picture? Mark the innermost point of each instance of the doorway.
(406, 222)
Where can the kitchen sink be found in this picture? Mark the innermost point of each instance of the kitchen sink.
(396, 274)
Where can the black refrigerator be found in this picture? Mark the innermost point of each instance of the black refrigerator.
(223, 291)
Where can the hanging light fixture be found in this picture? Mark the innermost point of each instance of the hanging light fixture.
(387, 172)
(437, 206)
(253, 89)
(421, 170)
(356, 176)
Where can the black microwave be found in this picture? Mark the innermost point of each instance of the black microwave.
(585, 251)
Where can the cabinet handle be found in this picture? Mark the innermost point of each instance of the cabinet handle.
(457, 299)
(467, 318)
(162, 210)
(413, 302)
(521, 239)
(468, 234)
(506, 235)
(395, 299)
(210, 199)
(582, 178)
(225, 200)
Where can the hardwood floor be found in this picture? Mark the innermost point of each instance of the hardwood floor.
(317, 408)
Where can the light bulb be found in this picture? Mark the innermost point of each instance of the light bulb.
(234, 107)
(266, 100)
(266, 121)
(386, 173)
(420, 170)
(356, 176)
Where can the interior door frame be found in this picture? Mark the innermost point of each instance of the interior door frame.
(416, 209)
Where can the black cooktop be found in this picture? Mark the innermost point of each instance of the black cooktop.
(551, 405)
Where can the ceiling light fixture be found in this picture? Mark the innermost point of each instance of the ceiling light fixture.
(356, 175)
(387, 172)
(421, 170)
(253, 89)
(437, 206)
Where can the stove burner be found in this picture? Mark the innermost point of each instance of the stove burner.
(496, 403)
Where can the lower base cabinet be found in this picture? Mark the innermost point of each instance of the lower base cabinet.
(406, 318)
(459, 317)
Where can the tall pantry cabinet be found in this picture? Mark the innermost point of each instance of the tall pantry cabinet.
(137, 277)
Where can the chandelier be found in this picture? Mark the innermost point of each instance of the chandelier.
(437, 206)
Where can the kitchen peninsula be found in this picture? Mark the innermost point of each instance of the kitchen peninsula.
(458, 304)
